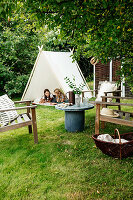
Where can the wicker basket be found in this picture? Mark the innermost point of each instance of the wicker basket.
(117, 150)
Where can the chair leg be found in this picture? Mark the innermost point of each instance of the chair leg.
(97, 120)
(30, 128)
(102, 124)
(103, 106)
(118, 100)
(28, 111)
(34, 125)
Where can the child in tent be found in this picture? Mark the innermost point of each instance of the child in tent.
(59, 96)
(47, 97)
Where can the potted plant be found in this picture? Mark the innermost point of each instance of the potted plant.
(76, 90)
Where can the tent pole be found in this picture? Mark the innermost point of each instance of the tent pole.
(123, 86)
(110, 74)
(94, 81)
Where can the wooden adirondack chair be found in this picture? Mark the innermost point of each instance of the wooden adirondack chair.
(26, 119)
(125, 118)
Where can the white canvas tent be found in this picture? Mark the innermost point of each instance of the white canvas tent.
(49, 72)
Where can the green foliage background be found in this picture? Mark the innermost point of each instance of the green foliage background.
(19, 38)
(97, 28)
(18, 42)
(93, 28)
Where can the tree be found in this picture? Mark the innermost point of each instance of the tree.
(99, 28)
(19, 38)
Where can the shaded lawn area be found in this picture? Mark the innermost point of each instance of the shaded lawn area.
(63, 165)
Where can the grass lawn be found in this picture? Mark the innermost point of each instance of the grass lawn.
(63, 166)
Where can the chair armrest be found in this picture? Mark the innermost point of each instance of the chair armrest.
(17, 108)
(110, 103)
(113, 91)
(25, 101)
(89, 91)
(115, 97)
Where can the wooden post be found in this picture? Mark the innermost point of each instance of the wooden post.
(82, 96)
(94, 81)
(34, 125)
(104, 99)
(28, 111)
(97, 120)
(118, 100)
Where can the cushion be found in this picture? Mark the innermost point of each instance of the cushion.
(4, 117)
(7, 116)
(106, 87)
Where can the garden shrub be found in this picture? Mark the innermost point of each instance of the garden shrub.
(16, 85)
(5, 75)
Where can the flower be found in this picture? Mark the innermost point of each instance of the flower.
(72, 85)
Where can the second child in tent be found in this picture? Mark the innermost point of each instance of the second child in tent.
(59, 96)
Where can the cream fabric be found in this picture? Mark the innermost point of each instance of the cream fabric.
(108, 138)
(106, 87)
(4, 117)
(7, 116)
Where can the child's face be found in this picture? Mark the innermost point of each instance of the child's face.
(57, 92)
(47, 94)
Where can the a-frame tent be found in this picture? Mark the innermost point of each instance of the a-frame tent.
(49, 72)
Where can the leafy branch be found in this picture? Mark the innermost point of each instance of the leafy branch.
(72, 85)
